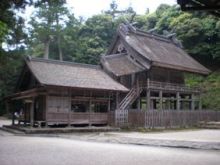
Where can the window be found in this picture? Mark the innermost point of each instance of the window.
(79, 106)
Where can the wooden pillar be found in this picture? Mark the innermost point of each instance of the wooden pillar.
(32, 113)
(148, 99)
(148, 82)
(161, 99)
(109, 102)
(192, 102)
(200, 102)
(69, 115)
(25, 114)
(46, 111)
(178, 101)
(139, 103)
(133, 79)
(13, 117)
(90, 110)
(117, 100)
(169, 103)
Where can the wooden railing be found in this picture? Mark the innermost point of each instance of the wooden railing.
(78, 118)
(130, 97)
(169, 86)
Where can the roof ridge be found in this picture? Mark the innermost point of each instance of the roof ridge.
(126, 30)
(37, 59)
(153, 35)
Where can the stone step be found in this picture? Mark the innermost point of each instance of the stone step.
(11, 130)
(209, 125)
(28, 130)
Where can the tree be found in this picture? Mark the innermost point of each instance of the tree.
(94, 37)
(47, 26)
(11, 45)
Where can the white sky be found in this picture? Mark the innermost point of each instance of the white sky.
(87, 8)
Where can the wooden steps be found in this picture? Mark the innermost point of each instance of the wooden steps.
(130, 97)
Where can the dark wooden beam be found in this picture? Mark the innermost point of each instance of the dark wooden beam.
(30, 92)
(29, 96)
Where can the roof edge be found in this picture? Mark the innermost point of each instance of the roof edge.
(191, 70)
(52, 85)
(28, 58)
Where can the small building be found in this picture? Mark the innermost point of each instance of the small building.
(57, 92)
(141, 71)
(153, 68)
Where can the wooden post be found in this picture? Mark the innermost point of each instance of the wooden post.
(161, 99)
(139, 103)
(117, 100)
(25, 114)
(90, 110)
(132, 79)
(46, 111)
(200, 102)
(69, 115)
(13, 117)
(192, 102)
(178, 101)
(148, 82)
(109, 102)
(32, 113)
(148, 99)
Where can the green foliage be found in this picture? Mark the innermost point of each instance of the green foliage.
(12, 35)
(95, 36)
(47, 25)
(211, 87)
(84, 41)
(3, 31)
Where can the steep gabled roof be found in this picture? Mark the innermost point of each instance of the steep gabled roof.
(120, 64)
(69, 74)
(160, 51)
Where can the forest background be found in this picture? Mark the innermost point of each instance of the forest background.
(54, 32)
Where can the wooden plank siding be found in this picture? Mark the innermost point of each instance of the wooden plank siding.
(77, 118)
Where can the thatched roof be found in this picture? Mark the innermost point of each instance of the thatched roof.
(160, 51)
(68, 74)
(120, 64)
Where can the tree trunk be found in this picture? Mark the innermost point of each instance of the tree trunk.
(59, 38)
(46, 49)
(60, 49)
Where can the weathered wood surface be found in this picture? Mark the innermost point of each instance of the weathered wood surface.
(170, 118)
(156, 85)
(78, 118)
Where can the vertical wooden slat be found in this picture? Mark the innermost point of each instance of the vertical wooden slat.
(170, 118)
(32, 113)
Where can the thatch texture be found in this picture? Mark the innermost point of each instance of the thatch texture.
(68, 74)
(163, 53)
(120, 64)
(159, 50)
